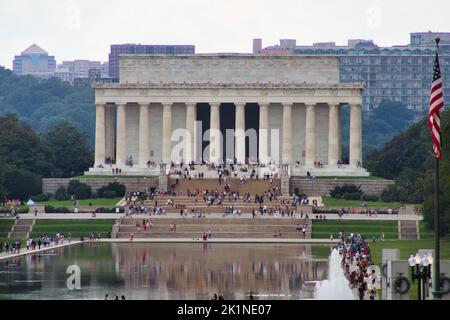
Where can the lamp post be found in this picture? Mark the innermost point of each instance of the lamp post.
(421, 271)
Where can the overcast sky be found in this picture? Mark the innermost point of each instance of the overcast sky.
(84, 29)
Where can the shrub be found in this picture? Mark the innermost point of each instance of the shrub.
(41, 197)
(351, 196)
(109, 194)
(21, 209)
(348, 192)
(79, 189)
(109, 210)
(112, 190)
(52, 209)
(61, 194)
(371, 197)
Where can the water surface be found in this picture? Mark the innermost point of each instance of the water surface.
(168, 271)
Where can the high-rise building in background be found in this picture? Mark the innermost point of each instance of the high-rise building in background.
(117, 49)
(397, 73)
(257, 46)
(82, 71)
(35, 61)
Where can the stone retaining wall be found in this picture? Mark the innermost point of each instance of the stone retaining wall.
(322, 187)
(50, 185)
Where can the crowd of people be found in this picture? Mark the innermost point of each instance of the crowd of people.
(356, 262)
(222, 171)
(10, 207)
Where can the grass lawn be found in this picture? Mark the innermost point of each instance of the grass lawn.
(323, 229)
(5, 227)
(409, 246)
(332, 202)
(76, 228)
(100, 202)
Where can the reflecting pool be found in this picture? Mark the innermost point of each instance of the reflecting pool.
(168, 271)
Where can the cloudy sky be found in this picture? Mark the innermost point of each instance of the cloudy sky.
(84, 29)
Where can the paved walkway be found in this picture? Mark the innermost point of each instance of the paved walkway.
(361, 217)
(222, 240)
(24, 251)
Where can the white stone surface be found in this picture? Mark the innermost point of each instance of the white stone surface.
(177, 81)
(275, 130)
(322, 133)
(310, 135)
(355, 135)
(298, 132)
(228, 68)
(121, 134)
(144, 135)
(132, 140)
(110, 131)
(166, 132)
(287, 134)
(100, 141)
(240, 133)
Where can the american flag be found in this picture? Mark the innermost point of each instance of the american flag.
(436, 103)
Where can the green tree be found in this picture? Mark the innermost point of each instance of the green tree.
(42, 103)
(384, 122)
(22, 147)
(71, 155)
(22, 184)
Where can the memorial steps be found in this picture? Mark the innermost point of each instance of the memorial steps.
(408, 230)
(250, 186)
(21, 229)
(233, 227)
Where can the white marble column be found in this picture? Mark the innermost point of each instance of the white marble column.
(263, 132)
(215, 152)
(355, 135)
(109, 131)
(167, 133)
(333, 132)
(191, 116)
(339, 134)
(310, 137)
(239, 145)
(144, 143)
(287, 134)
(100, 141)
(121, 135)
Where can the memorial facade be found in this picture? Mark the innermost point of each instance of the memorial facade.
(153, 115)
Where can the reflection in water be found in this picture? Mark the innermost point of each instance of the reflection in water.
(166, 271)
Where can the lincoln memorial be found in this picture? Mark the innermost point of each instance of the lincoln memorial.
(283, 112)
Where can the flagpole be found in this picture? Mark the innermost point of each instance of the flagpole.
(437, 294)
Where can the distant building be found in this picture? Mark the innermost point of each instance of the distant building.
(117, 49)
(65, 74)
(257, 46)
(34, 61)
(400, 73)
(82, 69)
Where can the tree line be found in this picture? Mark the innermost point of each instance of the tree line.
(407, 158)
(26, 156)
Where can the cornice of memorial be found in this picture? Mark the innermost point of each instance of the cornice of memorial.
(210, 85)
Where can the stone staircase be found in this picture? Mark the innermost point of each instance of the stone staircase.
(21, 229)
(408, 230)
(197, 203)
(193, 228)
(250, 186)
